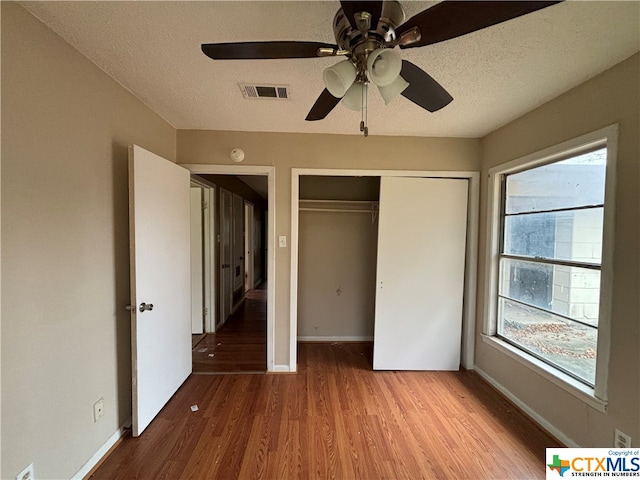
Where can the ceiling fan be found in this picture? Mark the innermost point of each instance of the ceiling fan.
(369, 34)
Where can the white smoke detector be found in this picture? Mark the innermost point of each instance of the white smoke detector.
(237, 155)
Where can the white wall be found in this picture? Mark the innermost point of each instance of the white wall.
(611, 97)
(65, 334)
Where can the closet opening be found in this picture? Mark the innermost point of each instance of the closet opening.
(337, 238)
(387, 257)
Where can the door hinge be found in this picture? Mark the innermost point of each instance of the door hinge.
(205, 205)
(205, 311)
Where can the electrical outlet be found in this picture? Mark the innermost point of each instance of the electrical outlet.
(621, 439)
(26, 474)
(98, 410)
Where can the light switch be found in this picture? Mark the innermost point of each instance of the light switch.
(282, 241)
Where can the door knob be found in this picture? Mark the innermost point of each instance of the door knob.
(146, 307)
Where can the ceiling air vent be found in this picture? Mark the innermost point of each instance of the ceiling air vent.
(264, 91)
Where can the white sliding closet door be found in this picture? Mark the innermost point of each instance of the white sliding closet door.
(420, 273)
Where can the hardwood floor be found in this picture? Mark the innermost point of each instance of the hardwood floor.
(335, 418)
(241, 344)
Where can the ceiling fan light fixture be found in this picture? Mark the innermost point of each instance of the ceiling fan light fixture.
(339, 77)
(383, 66)
(393, 90)
(356, 97)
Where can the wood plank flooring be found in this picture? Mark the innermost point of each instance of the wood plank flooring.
(335, 418)
(241, 344)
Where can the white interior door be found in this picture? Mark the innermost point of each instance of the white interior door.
(159, 220)
(197, 277)
(238, 243)
(248, 246)
(226, 290)
(259, 251)
(420, 273)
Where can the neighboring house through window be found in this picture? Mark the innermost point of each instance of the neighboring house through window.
(550, 240)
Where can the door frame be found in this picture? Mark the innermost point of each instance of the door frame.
(270, 173)
(209, 271)
(198, 305)
(249, 253)
(471, 254)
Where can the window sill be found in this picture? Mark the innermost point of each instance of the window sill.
(565, 382)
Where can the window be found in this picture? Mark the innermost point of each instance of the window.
(550, 246)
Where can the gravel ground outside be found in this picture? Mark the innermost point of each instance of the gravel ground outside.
(570, 345)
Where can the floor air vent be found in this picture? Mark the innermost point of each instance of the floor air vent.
(264, 91)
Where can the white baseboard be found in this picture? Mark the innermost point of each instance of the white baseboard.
(333, 338)
(282, 369)
(102, 451)
(535, 416)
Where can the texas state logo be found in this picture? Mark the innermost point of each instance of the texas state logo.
(592, 462)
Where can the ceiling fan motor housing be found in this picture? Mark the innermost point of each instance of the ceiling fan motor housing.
(362, 44)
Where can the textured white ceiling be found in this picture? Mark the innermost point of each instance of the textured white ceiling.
(495, 75)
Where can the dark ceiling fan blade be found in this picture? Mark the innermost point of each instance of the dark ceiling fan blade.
(450, 19)
(350, 8)
(263, 50)
(323, 106)
(423, 90)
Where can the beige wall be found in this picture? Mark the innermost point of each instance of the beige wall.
(337, 275)
(612, 97)
(337, 258)
(287, 151)
(65, 334)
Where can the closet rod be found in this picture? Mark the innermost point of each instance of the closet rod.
(355, 202)
(345, 210)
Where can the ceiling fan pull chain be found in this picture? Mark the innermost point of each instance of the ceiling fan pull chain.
(365, 111)
(362, 107)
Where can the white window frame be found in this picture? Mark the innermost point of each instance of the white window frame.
(605, 137)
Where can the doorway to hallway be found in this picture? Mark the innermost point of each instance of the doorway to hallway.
(239, 346)
(235, 338)
(264, 270)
